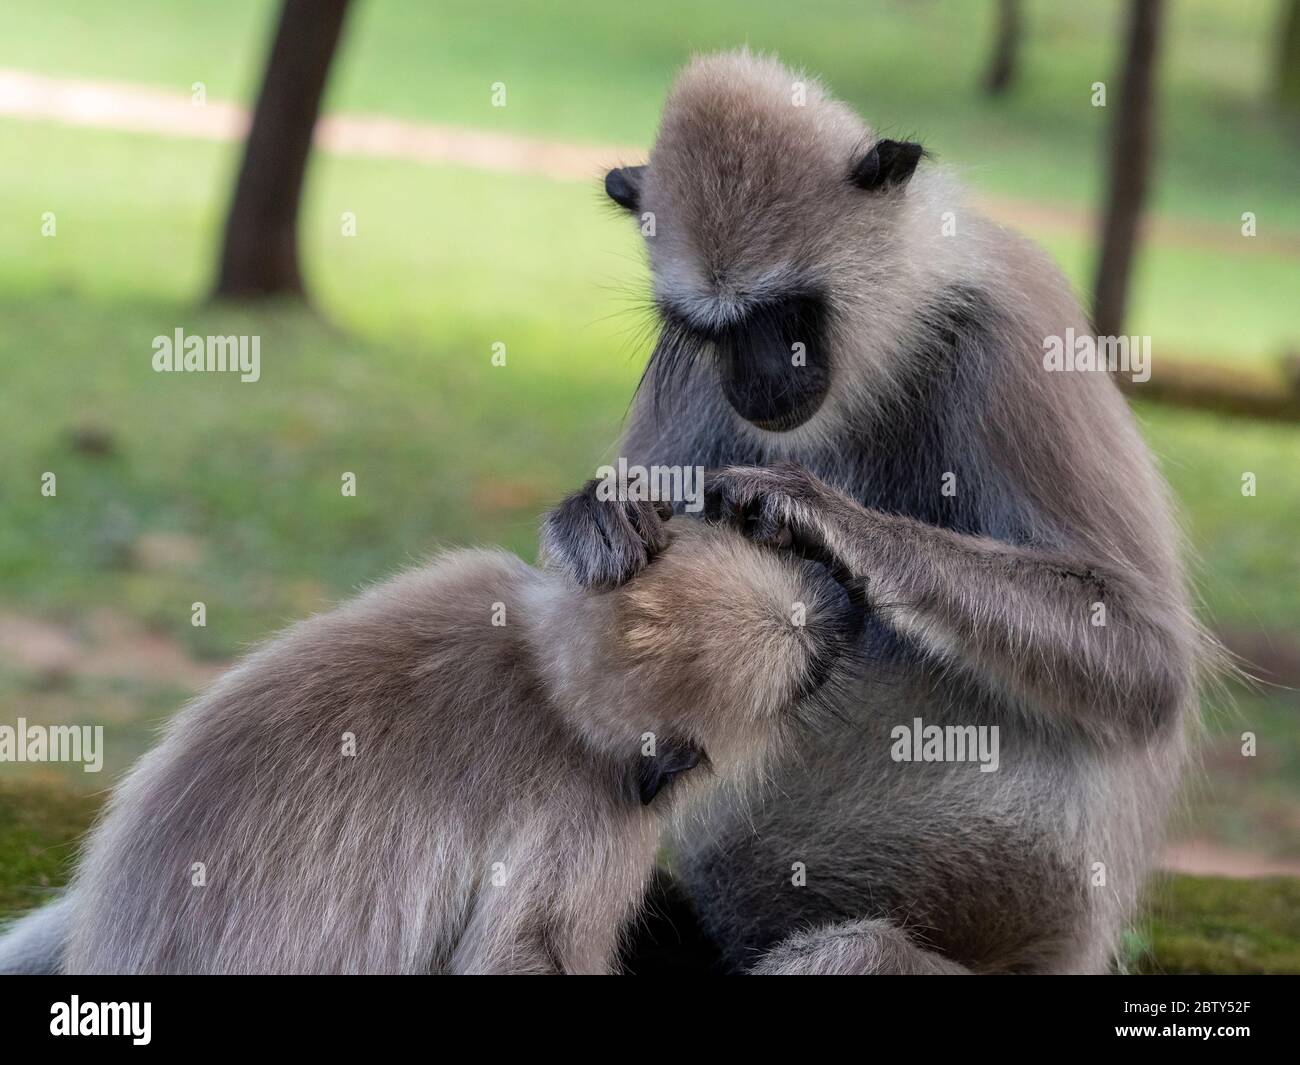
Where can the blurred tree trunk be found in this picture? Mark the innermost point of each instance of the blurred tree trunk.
(1130, 164)
(1223, 388)
(260, 254)
(1006, 49)
(1287, 87)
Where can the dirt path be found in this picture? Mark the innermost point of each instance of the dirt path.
(141, 109)
(1206, 858)
(106, 645)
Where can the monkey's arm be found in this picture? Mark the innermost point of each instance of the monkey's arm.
(1092, 642)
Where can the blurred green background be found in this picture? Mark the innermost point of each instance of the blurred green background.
(179, 489)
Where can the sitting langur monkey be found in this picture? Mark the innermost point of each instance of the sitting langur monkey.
(862, 358)
(402, 785)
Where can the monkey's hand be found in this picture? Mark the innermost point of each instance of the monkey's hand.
(602, 543)
(1017, 615)
(783, 506)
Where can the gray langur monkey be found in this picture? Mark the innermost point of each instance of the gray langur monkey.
(460, 771)
(861, 355)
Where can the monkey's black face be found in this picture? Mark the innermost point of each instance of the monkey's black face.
(772, 362)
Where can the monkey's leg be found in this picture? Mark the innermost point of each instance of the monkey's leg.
(603, 543)
(1024, 619)
(854, 948)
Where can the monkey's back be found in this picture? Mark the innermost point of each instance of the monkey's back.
(335, 802)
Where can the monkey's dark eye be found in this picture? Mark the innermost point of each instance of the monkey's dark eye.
(623, 186)
(886, 164)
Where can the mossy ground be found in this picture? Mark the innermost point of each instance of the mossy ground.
(1210, 924)
(40, 828)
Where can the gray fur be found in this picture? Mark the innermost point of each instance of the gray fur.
(476, 744)
(34, 944)
(981, 602)
(855, 948)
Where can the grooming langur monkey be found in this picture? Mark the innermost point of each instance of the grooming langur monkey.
(452, 772)
(863, 355)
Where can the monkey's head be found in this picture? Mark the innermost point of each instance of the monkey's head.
(718, 650)
(775, 223)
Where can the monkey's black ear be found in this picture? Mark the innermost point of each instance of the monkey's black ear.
(888, 163)
(623, 186)
(674, 757)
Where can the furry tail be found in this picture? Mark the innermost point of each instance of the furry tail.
(34, 945)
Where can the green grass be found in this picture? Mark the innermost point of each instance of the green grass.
(40, 828)
(400, 391)
(1242, 552)
(1247, 801)
(1236, 306)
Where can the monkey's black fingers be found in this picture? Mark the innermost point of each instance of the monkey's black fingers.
(767, 522)
(779, 506)
(601, 543)
(647, 520)
(727, 496)
(740, 496)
